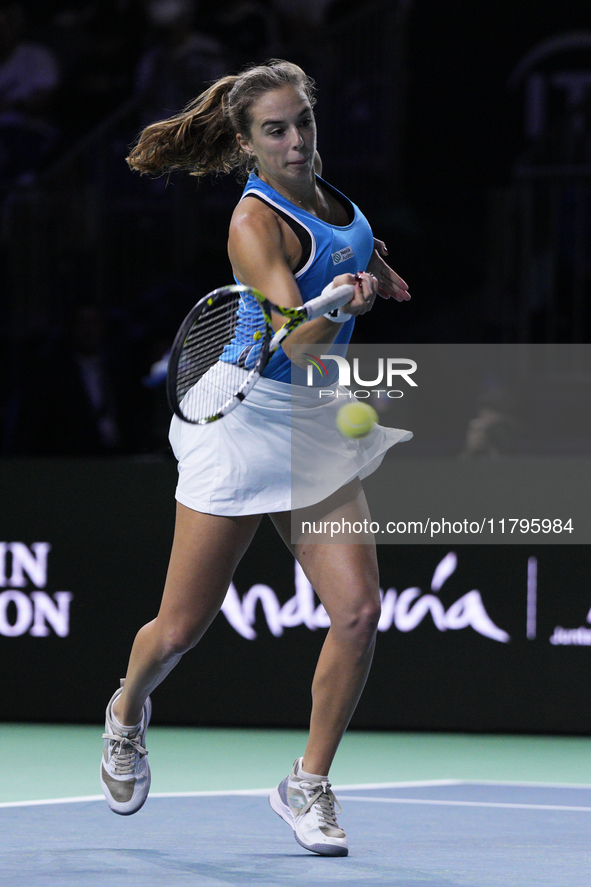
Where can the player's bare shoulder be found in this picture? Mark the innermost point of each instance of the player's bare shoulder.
(255, 229)
(253, 219)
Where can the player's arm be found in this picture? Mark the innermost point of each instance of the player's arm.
(259, 259)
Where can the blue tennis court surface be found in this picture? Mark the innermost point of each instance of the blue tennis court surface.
(442, 834)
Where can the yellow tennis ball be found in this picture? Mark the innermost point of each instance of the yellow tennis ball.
(356, 419)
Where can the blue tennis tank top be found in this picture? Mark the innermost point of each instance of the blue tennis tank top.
(327, 250)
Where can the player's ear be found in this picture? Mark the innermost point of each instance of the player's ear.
(244, 144)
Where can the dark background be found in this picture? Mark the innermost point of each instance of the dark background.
(420, 125)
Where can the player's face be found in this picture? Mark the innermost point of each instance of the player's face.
(282, 136)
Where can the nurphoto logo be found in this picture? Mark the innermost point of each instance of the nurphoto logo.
(388, 371)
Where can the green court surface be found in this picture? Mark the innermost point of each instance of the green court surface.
(60, 761)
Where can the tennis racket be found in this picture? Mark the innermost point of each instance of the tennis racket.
(225, 343)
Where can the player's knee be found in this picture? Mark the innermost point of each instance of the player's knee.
(178, 639)
(360, 624)
(368, 618)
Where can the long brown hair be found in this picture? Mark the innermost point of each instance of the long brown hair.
(201, 139)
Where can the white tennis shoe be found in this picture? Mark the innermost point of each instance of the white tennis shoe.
(307, 804)
(125, 773)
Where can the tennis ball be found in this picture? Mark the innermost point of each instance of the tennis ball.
(356, 419)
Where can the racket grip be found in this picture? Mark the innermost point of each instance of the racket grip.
(329, 299)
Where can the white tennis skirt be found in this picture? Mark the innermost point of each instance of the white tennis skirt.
(278, 450)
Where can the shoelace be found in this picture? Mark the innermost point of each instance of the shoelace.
(325, 800)
(124, 752)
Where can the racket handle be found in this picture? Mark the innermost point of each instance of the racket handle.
(329, 299)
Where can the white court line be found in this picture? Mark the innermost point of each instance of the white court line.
(504, 806)
(254, 792)
(370, 786)
(248, 792)
(417, 783)
(517, 784)
(80, 800)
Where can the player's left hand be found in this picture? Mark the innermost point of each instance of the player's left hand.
(390, 284)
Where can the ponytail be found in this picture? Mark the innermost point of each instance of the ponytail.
(201, 139)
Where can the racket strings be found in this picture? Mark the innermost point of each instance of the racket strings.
(219, 355)
(203, 346)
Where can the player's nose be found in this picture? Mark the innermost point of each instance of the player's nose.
(297, 140)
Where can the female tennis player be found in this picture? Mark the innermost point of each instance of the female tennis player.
(289, 235)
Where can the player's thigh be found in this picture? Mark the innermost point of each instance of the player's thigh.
(205, 552)
(344, 574)
(345, 578)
